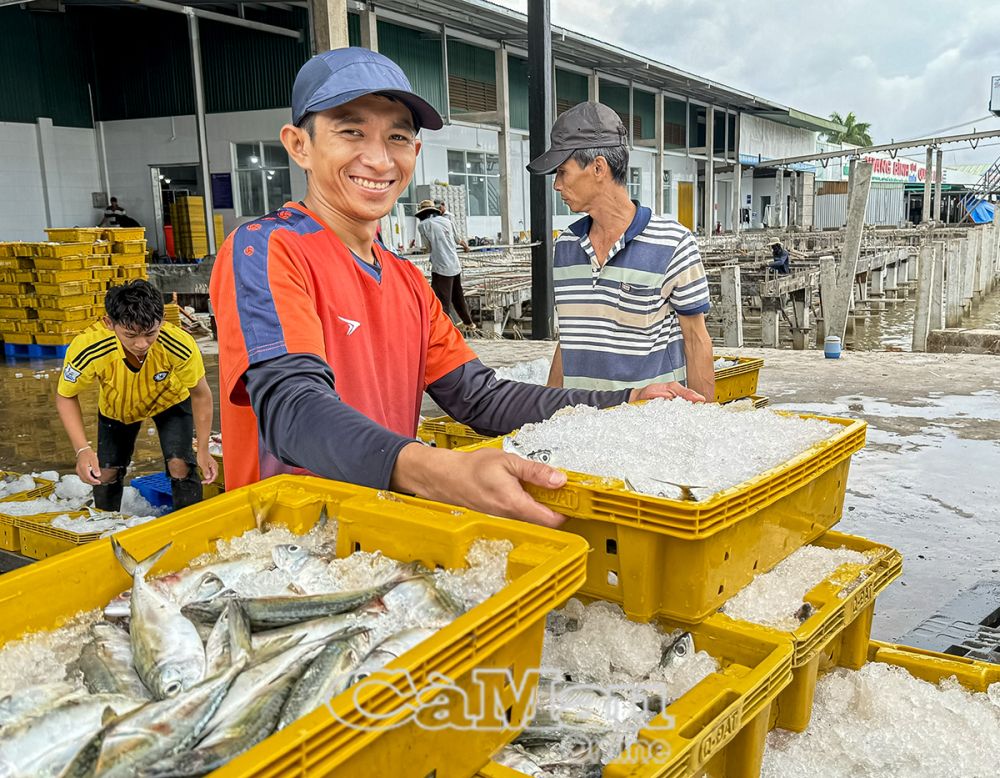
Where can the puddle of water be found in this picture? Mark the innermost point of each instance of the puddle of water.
(984, 405)
(32, 437)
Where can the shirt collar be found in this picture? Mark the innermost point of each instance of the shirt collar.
(581, 227)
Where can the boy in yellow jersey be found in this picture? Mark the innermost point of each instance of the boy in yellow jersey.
(147, 369)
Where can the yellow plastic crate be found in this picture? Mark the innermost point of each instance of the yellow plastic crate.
(79, 313)
(503, 634)
(719, 727)
(73, 234)
(124, 233)
(128, 247)
(68, 289)
(6, 249)
(40, 540)
(738, 381)
(71, 328)
(15, 288)
(44, 338)
(17, 276)
(23, 249)
(445, 432)
(97, 260)
(8, 326)
(56, 250)
(104, 274)
(684, 559)
(43, 488)
(62, 276)
(70, 301)
(16, 263)
(18, 314)
(129, 272)
(30, 326)
(59, 263)
(838, 632)
(760, 401)
(19, 338)
(10, 535)
(933, 667)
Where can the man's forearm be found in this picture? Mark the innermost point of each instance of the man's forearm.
(72, 420)
(201, 408)
(699, 356)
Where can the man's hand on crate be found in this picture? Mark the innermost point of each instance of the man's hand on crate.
(88, 467)
(668, 391)
(487, 480)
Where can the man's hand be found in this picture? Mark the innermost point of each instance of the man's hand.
(209, 467)
(88, 467)
(668, 391)
(488, 480)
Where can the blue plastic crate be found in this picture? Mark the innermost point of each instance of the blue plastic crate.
(155, 489)
(33, 351)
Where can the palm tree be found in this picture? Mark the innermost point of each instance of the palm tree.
(855, 132)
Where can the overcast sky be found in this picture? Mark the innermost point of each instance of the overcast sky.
(910, 68)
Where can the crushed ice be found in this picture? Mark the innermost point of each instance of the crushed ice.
(774, 598)
(534, 372)
(881, 721)
(670, 448)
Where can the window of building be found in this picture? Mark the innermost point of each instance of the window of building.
(263, 181)
(479, 173)
(635, 182)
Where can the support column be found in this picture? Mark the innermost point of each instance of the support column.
(925, 211)
(709, 205)
(968, 272)
(658, 158)
(503, 146)
(953, 284)
(891, 278)
(835, 309)
(979, 262)
(779, 198)
(937, 292)
(925, 286)
(939, 178)
(539, 124)
(329, 25)
(793, 208)
(732, 307)
(913, 263)
(876, 278)
(770, 311)
(369, 29)
(194, 39)
(593, 87)
(737, 187)
(802, 312)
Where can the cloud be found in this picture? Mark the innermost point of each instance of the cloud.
(908, 69)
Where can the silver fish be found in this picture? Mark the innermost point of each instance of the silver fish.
(681, 647)
(326, 677)
(167, 650)
(24, 703)
(420, 595)
(389, 649)
(269, 612)
(253, 724)
(107, 664)
(560, 704)
(217, 654)
(314, 630)
(44, 744)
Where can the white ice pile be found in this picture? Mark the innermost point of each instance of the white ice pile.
(604, 679)
(722, 363)
(534, 372)
(774, 598)
(662, 445)
(104, 522)
(21, 483)
(71, 495)
(880, 721)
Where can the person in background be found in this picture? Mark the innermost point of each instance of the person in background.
(630, 287)
(327, 340)
(438, 234)
(112, 214)
(146, 368)
(443, 210)
(780, 262)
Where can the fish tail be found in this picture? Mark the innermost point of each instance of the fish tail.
(240, 646)
(127, 561)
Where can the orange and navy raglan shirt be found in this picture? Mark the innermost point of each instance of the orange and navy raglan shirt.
(324, 357)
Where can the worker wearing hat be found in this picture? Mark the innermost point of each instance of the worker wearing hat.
(438, 234)
(327, 340)
(780, 262)
(630, 287)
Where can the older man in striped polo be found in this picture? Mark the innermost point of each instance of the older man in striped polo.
(630, 286)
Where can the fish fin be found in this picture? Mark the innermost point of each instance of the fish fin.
(261, 508)
(296, 589)
(240, 647)
(84, 764)
(108, 716)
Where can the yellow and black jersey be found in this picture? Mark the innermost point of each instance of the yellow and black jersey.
(173, 365)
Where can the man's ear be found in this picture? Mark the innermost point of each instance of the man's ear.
(298, 144)
(600, 166)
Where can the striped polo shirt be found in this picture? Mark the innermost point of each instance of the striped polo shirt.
(618, 325)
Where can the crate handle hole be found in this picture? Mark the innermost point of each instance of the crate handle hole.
(508, 714)
(725, 558)
(755, 564)
(722, 588)
(611, 546)
(612, 578)
(357, 546)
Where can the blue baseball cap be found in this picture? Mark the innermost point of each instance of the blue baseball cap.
(336, 77)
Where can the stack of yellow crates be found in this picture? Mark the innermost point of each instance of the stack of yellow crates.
(50, 291)
(187, 215)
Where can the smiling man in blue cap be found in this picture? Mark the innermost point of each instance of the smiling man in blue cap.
(327, 340)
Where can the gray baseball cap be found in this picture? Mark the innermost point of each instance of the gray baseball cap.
(584, 126)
